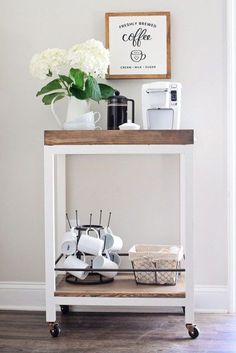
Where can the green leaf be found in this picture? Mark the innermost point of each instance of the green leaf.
(51, 86)
(92, 89)
(78, 77)
(106, 91)
(47, 99)
(66, 79)
(78, 93)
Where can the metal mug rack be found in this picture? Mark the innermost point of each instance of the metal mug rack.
(94, 277)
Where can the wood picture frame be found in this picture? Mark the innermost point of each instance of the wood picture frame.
(139, 44)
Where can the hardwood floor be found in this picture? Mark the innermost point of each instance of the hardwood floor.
(115, 333)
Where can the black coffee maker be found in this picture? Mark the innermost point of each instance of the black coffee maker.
(117, 110)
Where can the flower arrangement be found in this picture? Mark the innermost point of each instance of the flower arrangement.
(86, 62)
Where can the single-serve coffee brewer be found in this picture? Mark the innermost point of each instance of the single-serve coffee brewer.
(117, 111)
(161, 105)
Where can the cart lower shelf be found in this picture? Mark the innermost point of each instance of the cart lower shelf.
(123, 286)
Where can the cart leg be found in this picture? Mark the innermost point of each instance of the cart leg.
(54, 328)
(50, 311)
(187, 234)
(49, 209)
(189, 317)
(189, 307)
(60, 204)
(193, 331)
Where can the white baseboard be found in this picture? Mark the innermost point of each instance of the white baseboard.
(22, 295)
(211, 299)
(31, 296)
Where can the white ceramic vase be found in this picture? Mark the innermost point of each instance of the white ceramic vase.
(75, 109)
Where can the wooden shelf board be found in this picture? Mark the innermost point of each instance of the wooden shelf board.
(117, 137)
(123, 286)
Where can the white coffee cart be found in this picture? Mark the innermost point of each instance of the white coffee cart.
(123, 290)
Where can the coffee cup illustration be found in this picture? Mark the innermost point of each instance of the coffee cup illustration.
(137, 55)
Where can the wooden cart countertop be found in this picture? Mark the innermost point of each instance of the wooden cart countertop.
(123, 286)
(117, 137)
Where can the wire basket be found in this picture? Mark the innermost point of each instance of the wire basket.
(160, 257)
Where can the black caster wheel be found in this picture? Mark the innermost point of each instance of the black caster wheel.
(65, 309)
(55, 330)
(193, 331)
(183, 308)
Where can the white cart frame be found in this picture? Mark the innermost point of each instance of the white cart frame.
(55, 183)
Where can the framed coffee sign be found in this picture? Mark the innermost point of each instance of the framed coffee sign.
(139, 44)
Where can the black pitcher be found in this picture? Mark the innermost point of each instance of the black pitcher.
(117, 108)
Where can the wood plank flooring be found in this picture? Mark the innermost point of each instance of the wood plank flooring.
(27, 332)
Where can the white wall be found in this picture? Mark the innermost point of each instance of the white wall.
(198, 62)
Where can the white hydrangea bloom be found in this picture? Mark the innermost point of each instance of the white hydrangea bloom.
(90, 57)
(51, 60)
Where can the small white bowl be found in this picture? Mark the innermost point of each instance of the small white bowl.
(129, 126)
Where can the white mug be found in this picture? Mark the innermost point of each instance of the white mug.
(112, 242)
(69, 242)
(114, 257)
(89, 118)
(86, 121)
(76, 125)
(74, 262)
(101, 262)
(89, 244)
